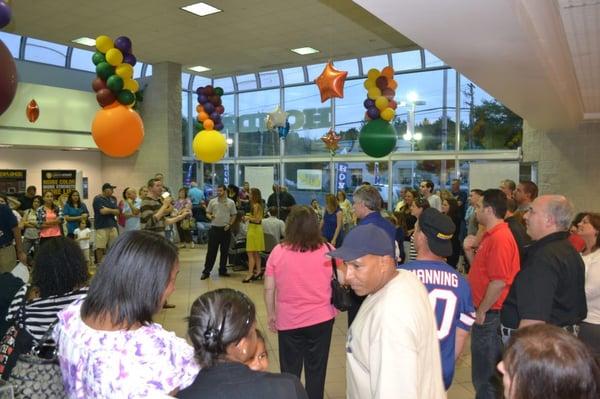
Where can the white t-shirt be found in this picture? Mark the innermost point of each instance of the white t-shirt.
(592, 286)
(435, 202)
(85, 234)
(392, 350)
(274, 226)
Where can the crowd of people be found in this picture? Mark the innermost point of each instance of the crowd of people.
(515, 271)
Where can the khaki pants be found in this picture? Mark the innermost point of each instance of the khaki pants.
(8, 259)
(105, 237)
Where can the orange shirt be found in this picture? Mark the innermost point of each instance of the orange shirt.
(53, 231)
(497, 258)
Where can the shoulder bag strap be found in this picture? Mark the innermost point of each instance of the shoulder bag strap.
(333, 267)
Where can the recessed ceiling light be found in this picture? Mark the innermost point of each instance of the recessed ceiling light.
(201, 9)
(305, 50)
(199, 68)
(86, 41)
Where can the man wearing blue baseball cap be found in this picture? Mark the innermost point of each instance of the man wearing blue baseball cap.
(392, 347)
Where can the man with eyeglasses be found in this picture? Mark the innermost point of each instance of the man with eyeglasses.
(494, 264)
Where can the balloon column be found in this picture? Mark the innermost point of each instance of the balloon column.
(209, 144)
(117, 129)
(8, 74)
(378, 137)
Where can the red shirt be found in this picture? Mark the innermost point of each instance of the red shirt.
(497, 258)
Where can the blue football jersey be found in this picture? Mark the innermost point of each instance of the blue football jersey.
(450, 297)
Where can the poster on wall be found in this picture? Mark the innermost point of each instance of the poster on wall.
(309, 179)
(58, 181)
(13, 181)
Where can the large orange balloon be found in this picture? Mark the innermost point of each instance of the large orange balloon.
(117, 130)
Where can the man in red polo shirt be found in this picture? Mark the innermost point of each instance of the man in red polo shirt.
(494, 264)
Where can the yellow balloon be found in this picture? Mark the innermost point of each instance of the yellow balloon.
(374, 93)
(381, 103)
(125, 71)
(104, 43)
(209, 146)
(387, 114)
(369, 83)
(114, 57)
(131, 84)
(373, 74)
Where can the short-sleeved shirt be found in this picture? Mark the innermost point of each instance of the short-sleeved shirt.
(104, 221)
(273, 226)
(69, 210)
(148, 362)
(85, 235)
(222, 210)
(450, 297)
(497, 258)
(196, 195)
(132, 222)
(550, 286)
(435, 202)
(8, 221)
(303, 286)
(148, 209)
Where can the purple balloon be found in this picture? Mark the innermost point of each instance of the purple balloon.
(129, 59)
(209, 108)
(199, 90)
(123, 43)
(373, 113)
(214, 116)
(219, 126)
(369, 103)
(8, 78)
(202, 99)
(5, 14)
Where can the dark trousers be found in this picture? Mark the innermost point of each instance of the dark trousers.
(308, 347)
(355, 307)
(218, 239)
(185, 236)
(486, 352)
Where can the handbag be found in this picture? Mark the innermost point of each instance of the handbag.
(188, 223)
(37, 373)
(341, 295)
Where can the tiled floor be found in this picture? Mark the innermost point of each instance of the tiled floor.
(189, 287)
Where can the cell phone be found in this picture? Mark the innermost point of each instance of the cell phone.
(166, 195)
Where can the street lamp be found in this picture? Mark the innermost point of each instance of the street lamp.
(412, 100)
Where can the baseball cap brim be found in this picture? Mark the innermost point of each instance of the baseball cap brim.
(347, 253)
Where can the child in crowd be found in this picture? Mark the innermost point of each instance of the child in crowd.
(260, 360)
(82, 235)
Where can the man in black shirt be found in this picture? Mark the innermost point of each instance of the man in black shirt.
(282, 200)
(550, 286)
(27, 199)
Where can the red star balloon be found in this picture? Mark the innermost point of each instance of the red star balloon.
(331, 82)
(331, 140)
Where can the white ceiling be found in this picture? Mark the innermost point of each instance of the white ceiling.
(539, 57)
(249, 36)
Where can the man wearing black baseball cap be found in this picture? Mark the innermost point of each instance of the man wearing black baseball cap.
(392, 347)
(105, 210)
(448, 290)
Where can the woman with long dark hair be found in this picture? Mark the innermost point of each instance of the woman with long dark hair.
(298, 299)
(74, 211)
(222, 327)
(109, 345)
(255, 238)
(332, 224)
(49, 218)
(450, 208)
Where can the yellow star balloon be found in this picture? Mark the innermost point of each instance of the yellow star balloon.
(331, 82)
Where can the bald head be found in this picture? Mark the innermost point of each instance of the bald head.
(548, 214)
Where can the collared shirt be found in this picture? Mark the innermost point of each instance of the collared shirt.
(274, 226)
(104, 221)
(550, 286)
(222, 211)
(497, 258)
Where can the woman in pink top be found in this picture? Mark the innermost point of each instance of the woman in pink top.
(49, 218)
(298, 299)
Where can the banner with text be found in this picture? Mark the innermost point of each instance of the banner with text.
(342, 176)
(13, 181)
(58, 181)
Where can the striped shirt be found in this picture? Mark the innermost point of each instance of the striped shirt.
(148, 208)
(40, 313)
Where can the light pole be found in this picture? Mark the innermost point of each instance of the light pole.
(412, 100)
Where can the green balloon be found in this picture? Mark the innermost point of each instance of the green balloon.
(98, 57)
(104, 70)
(377, 138)
(125, 97)
(218, 91)
(115, 83)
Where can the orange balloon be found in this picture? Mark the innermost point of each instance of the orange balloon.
(392, 84)
(202, 116)
(199, 108)
(208, 124)
(388, 72)
(117, 130)
(331, 82)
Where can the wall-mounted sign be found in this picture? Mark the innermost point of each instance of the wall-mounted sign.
(13, 181)
(309, 179)
(58, 181)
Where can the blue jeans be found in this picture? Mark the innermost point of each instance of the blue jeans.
(486, 352)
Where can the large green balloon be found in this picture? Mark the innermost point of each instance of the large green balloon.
(377, 138)
(98, 57)
(115, 83)
(104, 70)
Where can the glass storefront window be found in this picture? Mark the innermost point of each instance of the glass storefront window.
(200, 81)
(309, 120)
(82, 59)
(12, 42)
(349, 115)
(269, 79)
(185, 80)
(186, 121)
(315, 70)
(307, 181)
(45, 52)
(293, 75)
(378, 62)
(225, 83)
(351, 66)
(431, 60)
(406, 60)
(254, 137)
(246, 82)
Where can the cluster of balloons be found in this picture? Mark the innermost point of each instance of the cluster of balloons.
(114, 67)
(278, 121)
(210, 107)
(381, 88)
